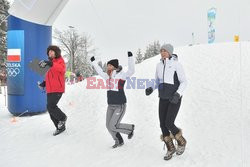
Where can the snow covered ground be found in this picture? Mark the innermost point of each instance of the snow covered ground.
(214, 116)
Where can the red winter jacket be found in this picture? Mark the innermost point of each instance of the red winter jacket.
(54, 78)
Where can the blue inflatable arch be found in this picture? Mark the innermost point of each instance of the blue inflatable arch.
(29, 34)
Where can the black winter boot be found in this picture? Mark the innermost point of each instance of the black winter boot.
(58, 131)
(119, 142)
(61, 124)
(132, 132)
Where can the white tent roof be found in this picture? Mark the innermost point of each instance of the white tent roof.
(38, 11)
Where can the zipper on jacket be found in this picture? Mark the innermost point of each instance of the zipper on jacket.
(164, 62)
(163, 74)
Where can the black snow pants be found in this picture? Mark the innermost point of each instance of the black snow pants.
(55, 113)
(167, 114)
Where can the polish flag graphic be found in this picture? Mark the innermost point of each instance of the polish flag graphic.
(14, 55)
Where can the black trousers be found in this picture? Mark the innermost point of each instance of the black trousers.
(55, 113)
(167, 114)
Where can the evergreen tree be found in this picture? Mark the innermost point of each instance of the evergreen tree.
(152, 50)
(139, 57)
(4, 7)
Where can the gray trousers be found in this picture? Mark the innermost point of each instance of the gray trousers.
(114, 116)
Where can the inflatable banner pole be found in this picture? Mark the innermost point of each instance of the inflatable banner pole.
(211, 15)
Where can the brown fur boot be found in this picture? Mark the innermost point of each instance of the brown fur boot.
(170, 146)
(181, 143)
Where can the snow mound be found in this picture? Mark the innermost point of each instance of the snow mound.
(214, 116)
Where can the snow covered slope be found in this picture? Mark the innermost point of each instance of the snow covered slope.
(214, 116)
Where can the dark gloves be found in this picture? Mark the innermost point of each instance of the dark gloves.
(148, 91)
(92, 59)
(41, 85)
(45, 63)
(175, 99)
(130, 54)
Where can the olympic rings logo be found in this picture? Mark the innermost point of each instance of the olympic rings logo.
(13, 72)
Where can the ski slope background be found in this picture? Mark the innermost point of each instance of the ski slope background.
(214, 116)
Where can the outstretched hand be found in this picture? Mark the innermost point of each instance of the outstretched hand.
(148, 91)
(92, 59)
(130, 54)
(41, 85)
(175, 98)
(45, 63)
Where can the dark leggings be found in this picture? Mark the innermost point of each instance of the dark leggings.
(167, 114)
(55, 113)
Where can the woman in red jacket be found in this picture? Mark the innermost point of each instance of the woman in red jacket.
(55, 86)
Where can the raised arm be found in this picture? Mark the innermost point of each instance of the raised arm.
(99, 69)
(131, 66)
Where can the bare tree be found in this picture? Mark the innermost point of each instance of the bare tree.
(78, 48)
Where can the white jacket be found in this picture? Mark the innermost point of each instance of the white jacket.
(116, 82)
(168, 71)
(116, 75)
